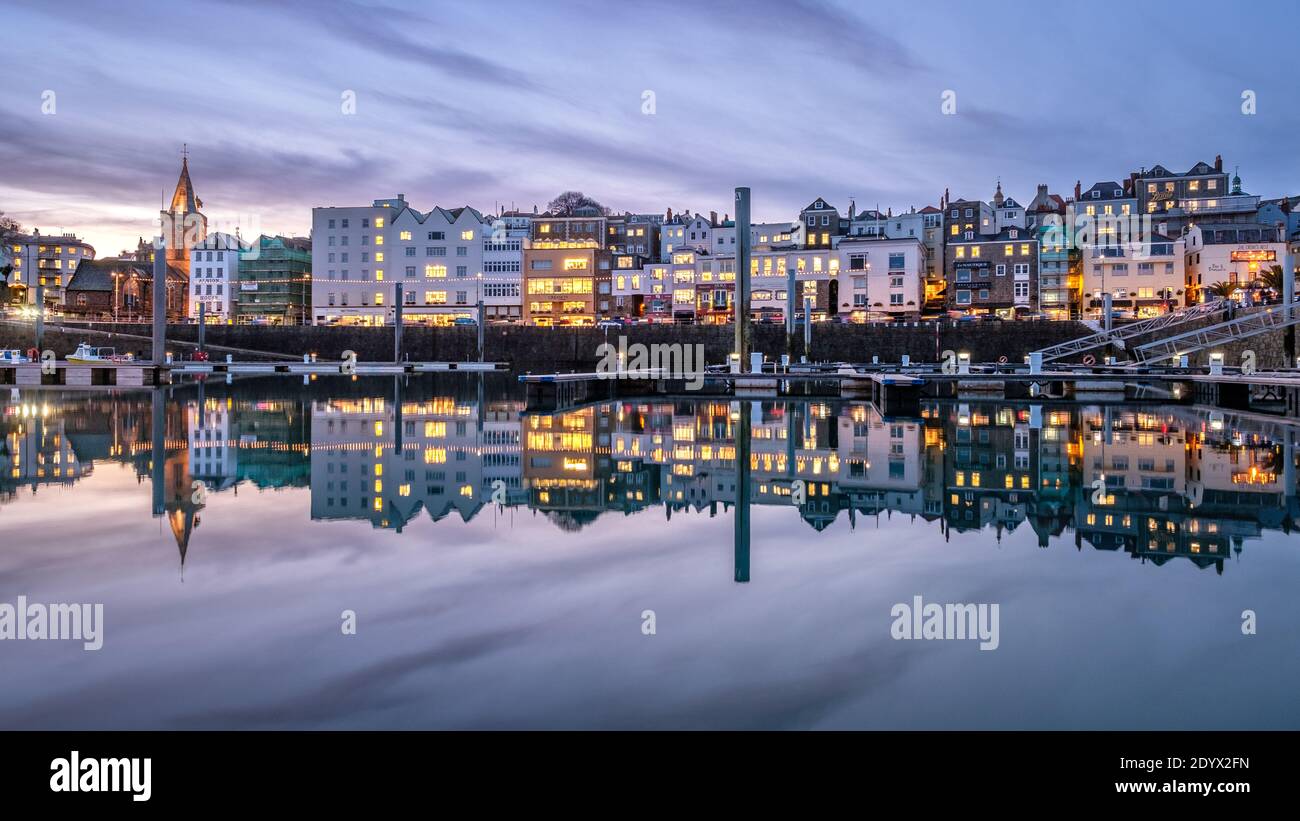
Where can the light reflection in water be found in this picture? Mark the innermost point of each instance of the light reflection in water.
(525, 514)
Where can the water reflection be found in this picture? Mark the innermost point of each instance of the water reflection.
(1159, 484)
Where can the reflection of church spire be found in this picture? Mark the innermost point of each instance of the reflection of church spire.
(182, 521)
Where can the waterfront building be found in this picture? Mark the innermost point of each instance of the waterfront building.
(1059, 279)
(275, 282)
(214, 275)
(361, 254)
(1236, 253)
(881, 277)
(567, 270)
(122, 289)
(992, 273)
(43, 259)
(1144, 277)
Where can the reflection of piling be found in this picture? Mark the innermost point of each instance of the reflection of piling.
(160, 301)
(397, 414)
(203, 322)
(742, 277)
(397, 323)
(158, 456)
(742, 492)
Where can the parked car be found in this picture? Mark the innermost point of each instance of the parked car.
(610, 325)
(465, 320)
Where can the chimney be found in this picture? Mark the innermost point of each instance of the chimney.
(1218, 163)
(669, 217)
(1078, 190)
(713, 219)
(947, 198)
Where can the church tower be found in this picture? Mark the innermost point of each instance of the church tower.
(183, 225)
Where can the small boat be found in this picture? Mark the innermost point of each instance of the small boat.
(12, 356)
(87, 355)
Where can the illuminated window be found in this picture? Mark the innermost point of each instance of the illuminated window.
(379, 223)
(467, 235)
(405, 235)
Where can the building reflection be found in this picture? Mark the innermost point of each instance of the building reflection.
(1156, 483)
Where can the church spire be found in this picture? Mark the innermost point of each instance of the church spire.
(184, 201)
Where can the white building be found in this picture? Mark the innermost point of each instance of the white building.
(1231, 253)
(214, 276)
(881, 277)
(360, 255)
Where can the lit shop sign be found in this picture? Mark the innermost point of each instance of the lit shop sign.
(1254, 256)
(248, 286)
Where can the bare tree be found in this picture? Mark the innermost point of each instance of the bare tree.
(570, 202)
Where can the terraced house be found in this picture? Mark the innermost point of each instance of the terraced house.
(566, 274)
(993, 273)
(361, 255)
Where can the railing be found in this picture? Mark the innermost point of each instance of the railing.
(1258, 322)
(1131, 330)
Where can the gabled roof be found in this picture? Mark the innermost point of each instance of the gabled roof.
(97, 274)
(1105, 191)
(826, 206)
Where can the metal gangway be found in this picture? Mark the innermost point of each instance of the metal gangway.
(1118, 336)
(1212, 336)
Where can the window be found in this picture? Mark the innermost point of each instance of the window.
(1001, 270)
(437, 235)
(467, 235)
(963, 297)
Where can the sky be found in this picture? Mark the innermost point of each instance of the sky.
(643, 106)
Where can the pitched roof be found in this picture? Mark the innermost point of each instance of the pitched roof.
(97, 274)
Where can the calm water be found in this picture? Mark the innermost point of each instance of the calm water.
(500, 563)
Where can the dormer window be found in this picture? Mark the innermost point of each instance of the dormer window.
(1014, 233)
(1119, 192)
(819, 204)
(1096, 194)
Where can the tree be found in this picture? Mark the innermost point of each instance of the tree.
(570, 202)
(1223, 290)
(1272, 278)
(8, 228)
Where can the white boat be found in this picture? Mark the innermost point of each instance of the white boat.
(12, 356)
(87, 355)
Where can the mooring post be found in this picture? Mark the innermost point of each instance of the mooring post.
(480, 326)
(397, 322)
(203, 322)
(160, 301)
(40, 312)
(791, 288)
(742, 277)
(807, 327)
(1288, 299)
